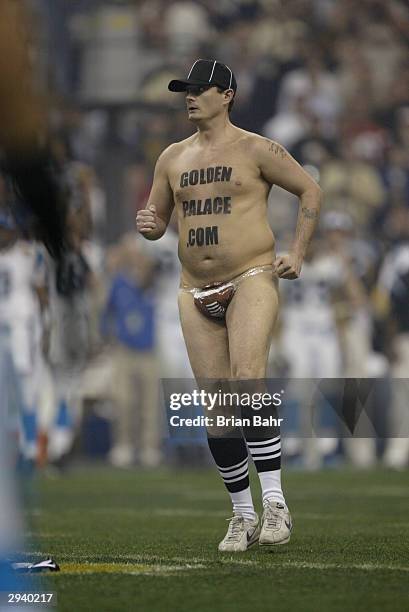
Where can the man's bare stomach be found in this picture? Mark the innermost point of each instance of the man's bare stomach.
(223, 233)
(214, 264)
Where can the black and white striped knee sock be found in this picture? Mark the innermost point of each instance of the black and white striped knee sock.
(266, 454)
(231, 457)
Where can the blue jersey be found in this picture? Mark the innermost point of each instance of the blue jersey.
(129, 314)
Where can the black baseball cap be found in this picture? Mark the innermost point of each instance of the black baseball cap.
(206, 72)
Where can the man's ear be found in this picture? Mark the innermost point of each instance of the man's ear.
(228, 95)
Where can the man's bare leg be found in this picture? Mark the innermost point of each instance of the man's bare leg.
(208, 350)
(250, 320)
(251, 317)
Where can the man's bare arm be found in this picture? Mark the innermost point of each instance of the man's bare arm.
(278, 167)
(308, 215)
(153, 220)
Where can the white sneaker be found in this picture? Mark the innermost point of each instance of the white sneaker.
(396, 454)
(276, 524)
(241, 534)
(121, 456)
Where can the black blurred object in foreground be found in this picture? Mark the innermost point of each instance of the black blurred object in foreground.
(35, 181)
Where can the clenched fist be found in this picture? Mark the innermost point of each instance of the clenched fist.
(288, 266)
(146, 221)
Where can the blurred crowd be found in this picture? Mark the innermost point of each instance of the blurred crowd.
(92, 336)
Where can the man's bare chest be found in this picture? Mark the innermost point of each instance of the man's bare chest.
(198, 178)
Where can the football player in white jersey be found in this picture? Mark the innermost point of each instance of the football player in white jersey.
(310, 337)
(22, 283)
(309, 343)
(309, 333)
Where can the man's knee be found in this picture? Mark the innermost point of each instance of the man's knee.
(247, 371)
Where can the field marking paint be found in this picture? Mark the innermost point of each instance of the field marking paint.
(238, 562)
(166, 569)
(145, 558)
(152, 564)
(134, 569)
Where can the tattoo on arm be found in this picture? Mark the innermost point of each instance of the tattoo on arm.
(310, 213)
(307, 220)
(278, 150)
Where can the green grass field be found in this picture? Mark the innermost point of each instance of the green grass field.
(147, 541)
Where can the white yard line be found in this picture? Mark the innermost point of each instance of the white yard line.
(153, 564)
(133, 569)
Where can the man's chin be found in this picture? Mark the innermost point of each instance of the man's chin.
(194, 117)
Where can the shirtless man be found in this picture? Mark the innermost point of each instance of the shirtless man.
(219, 180)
